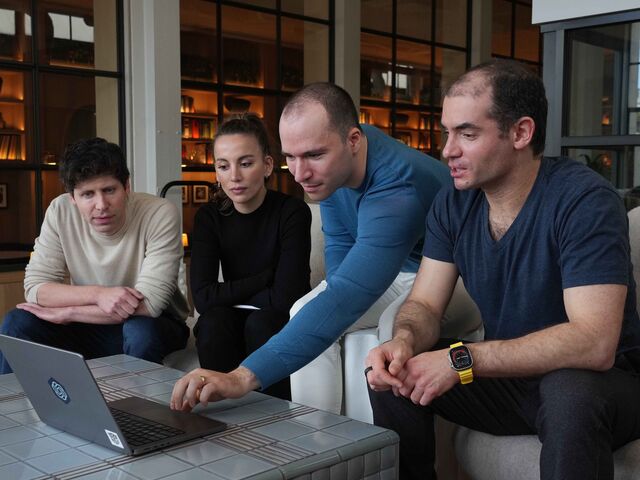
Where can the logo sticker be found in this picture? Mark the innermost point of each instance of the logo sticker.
(59, 390)
(114, 438)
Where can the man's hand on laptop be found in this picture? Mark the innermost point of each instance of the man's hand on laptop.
(203, 386)
(59, 315)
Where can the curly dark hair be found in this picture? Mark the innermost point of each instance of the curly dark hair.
(89, 158)
(516, 92)
(338, 104)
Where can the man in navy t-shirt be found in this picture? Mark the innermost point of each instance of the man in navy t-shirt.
(542, 246)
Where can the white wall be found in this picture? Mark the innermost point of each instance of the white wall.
(554, 10)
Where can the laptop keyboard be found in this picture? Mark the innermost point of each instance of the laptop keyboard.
(140, 431)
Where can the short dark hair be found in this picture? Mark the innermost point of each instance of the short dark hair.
(89, 158)
(338, 104)
(516, 92)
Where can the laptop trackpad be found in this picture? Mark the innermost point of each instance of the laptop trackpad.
(158, 412)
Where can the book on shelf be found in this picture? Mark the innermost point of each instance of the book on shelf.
(10, 147)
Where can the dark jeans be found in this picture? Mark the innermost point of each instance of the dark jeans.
(142, 337)
(225, 336)
(580, 416)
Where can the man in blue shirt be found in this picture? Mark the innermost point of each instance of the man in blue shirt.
(542, 246)
(374, 193)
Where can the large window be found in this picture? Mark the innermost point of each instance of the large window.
(600, 98)
(405, 65)
(246, 57)
(60, 80)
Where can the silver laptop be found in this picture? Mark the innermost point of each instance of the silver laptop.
(65, 395)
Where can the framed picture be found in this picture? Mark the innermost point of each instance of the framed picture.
(3, 195)
(200, 194)
(185, 194)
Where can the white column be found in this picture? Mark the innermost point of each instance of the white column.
(153, 93)
(347, 43)
(481, 31)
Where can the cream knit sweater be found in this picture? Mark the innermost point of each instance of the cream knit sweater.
(145, 254)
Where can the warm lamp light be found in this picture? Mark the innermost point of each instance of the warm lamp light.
(185, 240)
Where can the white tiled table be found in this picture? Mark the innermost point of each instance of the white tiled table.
(267, 438)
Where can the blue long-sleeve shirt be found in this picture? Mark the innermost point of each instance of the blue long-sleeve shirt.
(372, 233)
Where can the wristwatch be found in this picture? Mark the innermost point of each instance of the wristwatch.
(461, 361)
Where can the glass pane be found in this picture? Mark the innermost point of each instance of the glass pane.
(414, 18)
(308, 8)
(199, 112)
(406, 124)
(379, 117)
(16, 109)
(249, 50)
(527, 35)
(51, 187)
(619, 165)
(377, 15)
(17, 209)
(198, 40)
(451, 22)
(450, 64)
(501, 28)
(413, 72)
(79, 33)
(595, 80)
(375, 67)
(305, 53)
(15, 30)
(76, 107)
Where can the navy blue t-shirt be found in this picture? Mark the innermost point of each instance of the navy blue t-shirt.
(572, 231)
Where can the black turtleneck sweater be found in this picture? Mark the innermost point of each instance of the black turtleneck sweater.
(264, 255)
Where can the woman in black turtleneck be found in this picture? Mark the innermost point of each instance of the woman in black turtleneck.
(261, 240)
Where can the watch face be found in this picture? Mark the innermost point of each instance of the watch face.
(460, 358)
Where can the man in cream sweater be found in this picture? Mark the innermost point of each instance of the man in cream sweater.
(122, 252)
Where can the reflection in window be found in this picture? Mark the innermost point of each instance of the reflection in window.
(15, 27)
(597, 73)
(376, 15)
(375, 67)
(7, 22)
(414, 18)
(249, 49)
(78, 33)
(413, 67)
(449, 26)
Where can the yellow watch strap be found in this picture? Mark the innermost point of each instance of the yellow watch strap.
(466, 376)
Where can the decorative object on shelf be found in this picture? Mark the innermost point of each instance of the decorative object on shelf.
(237, 104)
(200, 194)
(186, 104)
(185, 194)
(3, 195)
(404, 137)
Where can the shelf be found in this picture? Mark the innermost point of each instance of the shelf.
(11, 131)
(205, 116)
(10, 100)
(198, 140)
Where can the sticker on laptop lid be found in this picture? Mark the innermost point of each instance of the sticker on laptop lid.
(59, 390)
(113, 438)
